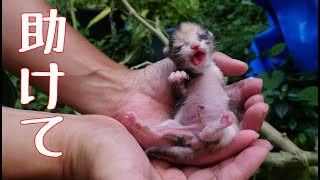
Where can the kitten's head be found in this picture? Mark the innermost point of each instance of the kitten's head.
(191, 47)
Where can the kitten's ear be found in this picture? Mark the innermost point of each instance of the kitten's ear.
(166, 51)
(210, 33)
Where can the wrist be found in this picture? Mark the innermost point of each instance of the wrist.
(96, 92)
(20, 156)
(95, 149)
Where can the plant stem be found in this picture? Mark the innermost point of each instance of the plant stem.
(73, 15)
(141, 65)
(279, 139)
(287, 159)
(157, 32)
(282, 141)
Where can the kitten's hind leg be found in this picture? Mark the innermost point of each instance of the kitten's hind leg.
(178, 134)
(212, 130)
(172, 153)
(168, 132)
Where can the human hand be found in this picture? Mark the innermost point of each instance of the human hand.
(98, 149)
(152, 100)
(93, 147)
(240, 167)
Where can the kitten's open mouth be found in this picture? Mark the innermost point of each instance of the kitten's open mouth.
(198, 58)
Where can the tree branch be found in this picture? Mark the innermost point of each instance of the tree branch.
(287, 159)
(157, 32)
(279, 139)
(282, 141)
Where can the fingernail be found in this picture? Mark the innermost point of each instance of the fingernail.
(265, 108)
(256, 135)
(270, 146)
(262, 98)
(260, 81)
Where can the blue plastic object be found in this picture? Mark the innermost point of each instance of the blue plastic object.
(294, 22)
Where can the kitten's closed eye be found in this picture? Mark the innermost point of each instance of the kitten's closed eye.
(203, 36)
(177, 49)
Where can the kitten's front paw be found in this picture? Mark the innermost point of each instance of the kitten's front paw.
(178, 76)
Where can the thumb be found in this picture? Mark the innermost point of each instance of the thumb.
(162, 68)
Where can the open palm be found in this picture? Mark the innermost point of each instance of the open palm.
(151, 98)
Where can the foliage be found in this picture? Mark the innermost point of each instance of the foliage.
(293, 100)
(234, 24)
(90, 3)
(41, 99)
(292, 97)
(61, 4)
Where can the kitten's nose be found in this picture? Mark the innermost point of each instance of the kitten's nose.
(195, 46)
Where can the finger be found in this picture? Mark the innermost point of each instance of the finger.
(242, 140)
(229, 66)
(167, 171)
(254, 116)
(160, 165)
(262, 143)
(228, 169)
(161, 68)
(242, 90)
(253, 100)
(190, 170)
(248, 161)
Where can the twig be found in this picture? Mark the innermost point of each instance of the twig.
(281, 140)
(141, 65)
(157, 32)
(287, 159)
(73, 15)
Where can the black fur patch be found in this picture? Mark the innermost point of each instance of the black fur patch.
(179, 104)
(236, 109)
(181, 141)
(210, 146)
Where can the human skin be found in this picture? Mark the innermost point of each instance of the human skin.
(108, 88)
(96, 147)
(83, 140)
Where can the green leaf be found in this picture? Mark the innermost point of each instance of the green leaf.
(194, 4)
(284, 88)
(277, 49)
(129, 57)
(272, 82)
(293, 123)
(302, 138)
(277, 78)
(139, 33)
(144, 13)
(220, 7)
(266, 95)
(282, 95)
(266, 80)
(281, 110)
(100, 16)
(237, 22)
(309, 94)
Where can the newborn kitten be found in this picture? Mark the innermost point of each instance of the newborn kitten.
(204, 119)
